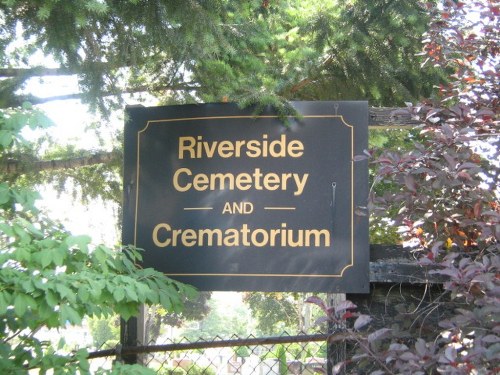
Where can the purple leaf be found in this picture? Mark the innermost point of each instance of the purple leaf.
(491, 339)
(337, 369)
(341, 336)
(421, 347)
(410, 183)
(452, 162)
(395, 347)
(317, 301)
(345, 305)
(379, 334)
(359, 157)
(467, 165)
(362, 321)
(450, 353)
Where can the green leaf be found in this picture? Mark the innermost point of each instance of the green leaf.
(51, 298)
(7, 229)
(61, 344)
(59, 255)
(22, 254)
(81, 242)
(45, 312)
(65, 292)
(4, 302)
(21, 304)
(6, 138)
(45, 257)
(27, 286)
(165, 301)
(27, 106)
(23, 236)
(68, 313)
(83, 293)
(82, 357)
(131, 293)
(4, 193)
(118, 294)
(43, 13)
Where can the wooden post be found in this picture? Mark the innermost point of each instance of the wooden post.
(336, 351)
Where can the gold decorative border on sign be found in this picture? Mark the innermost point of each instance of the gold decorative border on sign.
(143, 130)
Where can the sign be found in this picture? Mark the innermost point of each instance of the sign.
(225, 200)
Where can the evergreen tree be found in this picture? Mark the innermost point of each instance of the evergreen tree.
(253, 52)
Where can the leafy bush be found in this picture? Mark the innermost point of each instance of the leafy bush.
(447, 208)
(171, 371)
(50, 278)
(198, 370)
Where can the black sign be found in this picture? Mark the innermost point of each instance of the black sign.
(226, 200)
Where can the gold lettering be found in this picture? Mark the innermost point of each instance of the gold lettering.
(272, 181)
(156, 240)
(188, 237)
(281, 144)
(209, 151)
(295, 149)
(244, 181)
(241, 181)
(197, 148)
(317, 234)
(245, 231)
(222, 177)
(189, 147)
(253, 150)
(176, 179)
(262, 233)
(200, 182)
(225, 149)
(300, 183)
(209, 234)
(164, 236)
(232, 237)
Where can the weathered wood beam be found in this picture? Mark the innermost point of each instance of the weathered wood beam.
(387, 117)
(395, 264)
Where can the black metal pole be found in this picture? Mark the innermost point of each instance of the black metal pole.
(128, 338)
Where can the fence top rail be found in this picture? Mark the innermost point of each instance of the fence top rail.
(250, 341)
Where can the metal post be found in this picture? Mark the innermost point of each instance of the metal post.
(128, 338)
(132, 334)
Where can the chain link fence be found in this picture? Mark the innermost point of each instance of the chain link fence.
(285, 354)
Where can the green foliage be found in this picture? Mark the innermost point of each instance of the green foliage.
(216, 50)
(171, 371)
(199, 370)
(220, 322)
(242, 351)
(281, 355)
(50, 278)
(382, 228)
(195, 309)
(274, 312)
(370, 51)
(105, 331)
(122, 369)
(259, 54)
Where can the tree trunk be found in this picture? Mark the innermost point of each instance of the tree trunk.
(18, 166)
